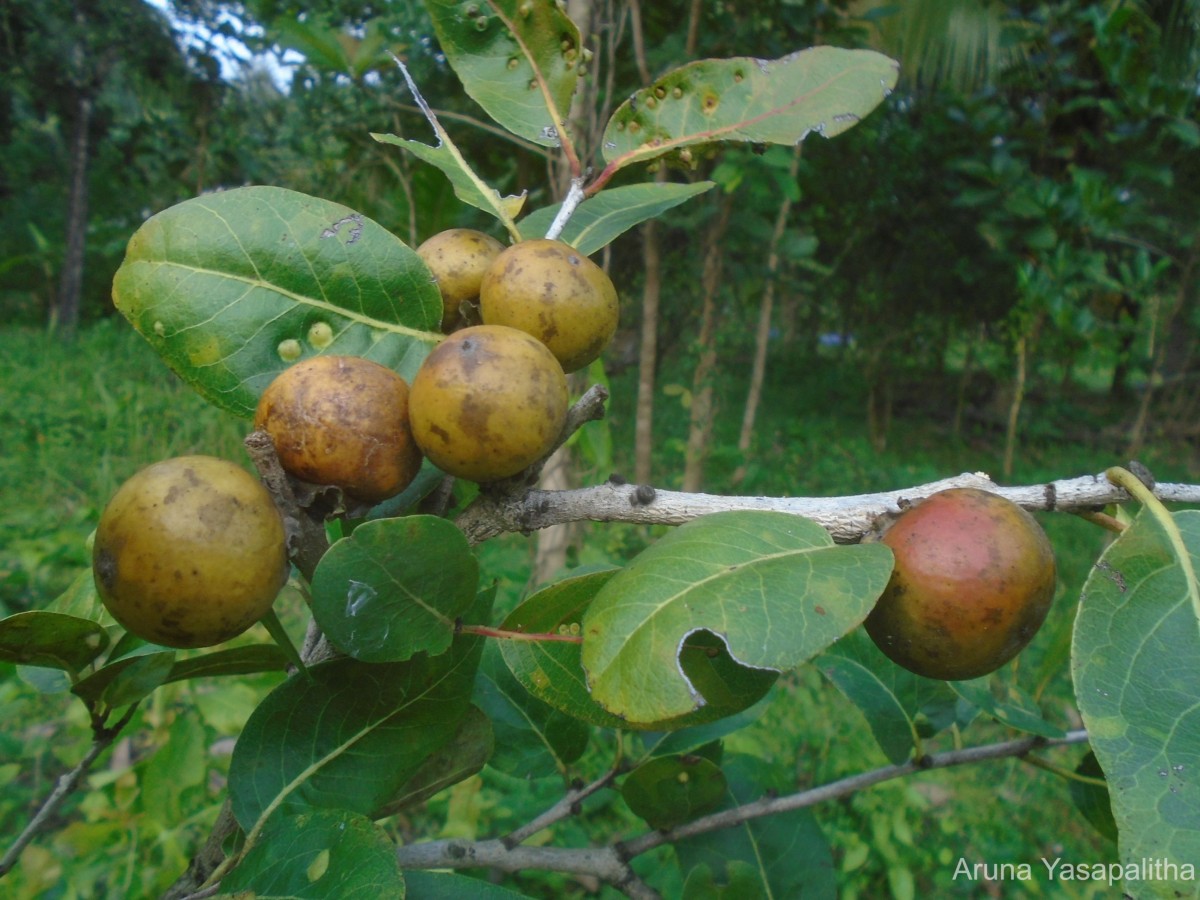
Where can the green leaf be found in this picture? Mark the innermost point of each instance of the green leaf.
(350, 736)
(646, 745)
(517, 59)
(317, 855)
(227, 288)
(51, 640)
(248, 660)
(81, 599)
(464, 755)
(825, 90)
(742, 882)
(127, 680)
(533, 739)
(1136, 668)
(669, 790)
(603, 218)
(452, 886)
(1092, 800)
(895, 702)
(180, 765)
(781, 855)
(468, 187)
(551, 670)
(1016, 710)
(394, 588)
(771, 587)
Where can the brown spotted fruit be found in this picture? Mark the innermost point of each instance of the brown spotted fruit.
(973, 581)
(488, 402)
(552, 291)
(458, 259)
(189, 552)
(342, 421)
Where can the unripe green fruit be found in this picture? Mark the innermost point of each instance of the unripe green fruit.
(973, 582)
(458, 258)
(488, 402)
(342, 421)
(190, 552)
(553, 292)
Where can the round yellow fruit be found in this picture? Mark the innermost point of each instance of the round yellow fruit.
(190, 552)
(488, 402)
(973, 581)
(458, 258)
(555, 293)
(343, 421)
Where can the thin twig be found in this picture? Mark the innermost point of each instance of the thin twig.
(610, 863)
(567, 806)
(570, 203)
(67, 784)
(1017, 747)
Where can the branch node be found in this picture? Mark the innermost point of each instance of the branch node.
(621, 852)
(643, 495)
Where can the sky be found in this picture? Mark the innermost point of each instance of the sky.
(234, 56)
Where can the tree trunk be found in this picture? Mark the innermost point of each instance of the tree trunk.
(643, 426)
(762, 335)
(647, 354)
(553, 543)
(1170, 358)
(964, 381)
(1014, 409)
(701, 419)
(70, 285)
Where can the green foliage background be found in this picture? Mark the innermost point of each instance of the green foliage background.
(133, 832)
(1056, 203)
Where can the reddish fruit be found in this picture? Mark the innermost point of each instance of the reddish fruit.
(973, 582)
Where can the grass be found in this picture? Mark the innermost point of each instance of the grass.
(78, 418)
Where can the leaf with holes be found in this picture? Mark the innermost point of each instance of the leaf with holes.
(232, 288)
(1136, 668)
(518, 59)
(823, 90)
(394, 587)
(551, 671)
(771, 587)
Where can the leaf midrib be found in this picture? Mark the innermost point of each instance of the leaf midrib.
(317, 765)
(725, 570)
(359, 318)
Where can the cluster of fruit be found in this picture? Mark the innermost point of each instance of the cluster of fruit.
(190, 552)
(489, 401)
